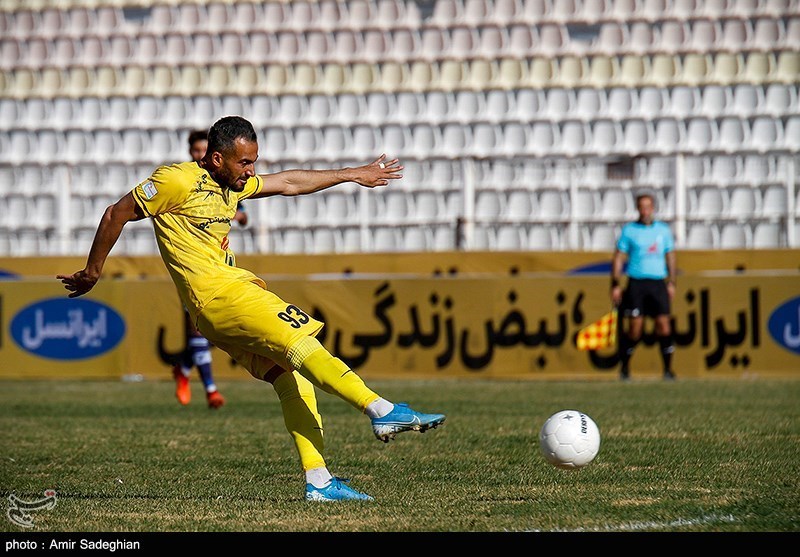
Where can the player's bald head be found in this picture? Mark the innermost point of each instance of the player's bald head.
(225, 132)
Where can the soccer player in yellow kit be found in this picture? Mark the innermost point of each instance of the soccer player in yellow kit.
(191, 205)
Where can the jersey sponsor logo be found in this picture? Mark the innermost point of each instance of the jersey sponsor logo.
(149, 190)
(67, 328)
(784, 325)
(198, 185)
(208, 222)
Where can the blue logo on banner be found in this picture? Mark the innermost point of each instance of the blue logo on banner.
(601, 268)
(784, 325)
(67, 329)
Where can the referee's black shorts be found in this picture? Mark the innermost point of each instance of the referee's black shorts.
(645, 297)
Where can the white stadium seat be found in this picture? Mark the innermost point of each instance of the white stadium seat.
(519, 103)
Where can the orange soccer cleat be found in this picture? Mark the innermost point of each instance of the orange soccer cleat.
(182, 390)
(215, 400)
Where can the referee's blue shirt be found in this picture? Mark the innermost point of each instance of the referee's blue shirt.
(646, 246)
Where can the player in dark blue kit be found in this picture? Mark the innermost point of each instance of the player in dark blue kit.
(649, 247)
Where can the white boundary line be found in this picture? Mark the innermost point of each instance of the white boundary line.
(641, 526)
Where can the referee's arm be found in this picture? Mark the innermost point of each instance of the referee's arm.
(616, 277)
(672, 269)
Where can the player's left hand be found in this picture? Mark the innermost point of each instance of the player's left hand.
(378, 172)
(78, 283)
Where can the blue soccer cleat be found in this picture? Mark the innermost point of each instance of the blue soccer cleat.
(336, 490)
(402, 418)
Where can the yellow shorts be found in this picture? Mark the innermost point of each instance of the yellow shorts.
(255, 326)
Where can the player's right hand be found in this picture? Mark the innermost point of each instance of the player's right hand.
(79, 283)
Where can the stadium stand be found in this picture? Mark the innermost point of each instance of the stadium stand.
(507, 114)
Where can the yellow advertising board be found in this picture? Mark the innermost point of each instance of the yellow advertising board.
(483, 326)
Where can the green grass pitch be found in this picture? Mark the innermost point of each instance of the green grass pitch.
(689, 456)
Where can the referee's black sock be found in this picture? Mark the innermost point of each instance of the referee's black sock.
(626, 347)
(667, 349)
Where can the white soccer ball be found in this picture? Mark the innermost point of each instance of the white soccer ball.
(569, 439)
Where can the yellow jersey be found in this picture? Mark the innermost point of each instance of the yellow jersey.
(191, 217)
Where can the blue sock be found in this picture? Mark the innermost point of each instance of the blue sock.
(186, 362)
(201, 357)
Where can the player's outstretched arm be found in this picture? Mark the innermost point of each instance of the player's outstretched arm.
(298, 182)
(108, 231)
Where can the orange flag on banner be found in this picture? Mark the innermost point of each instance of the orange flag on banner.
(600, 334)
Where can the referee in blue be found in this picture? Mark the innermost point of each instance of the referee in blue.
(649, 247)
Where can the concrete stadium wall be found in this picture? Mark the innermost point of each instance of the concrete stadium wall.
(431, 263)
